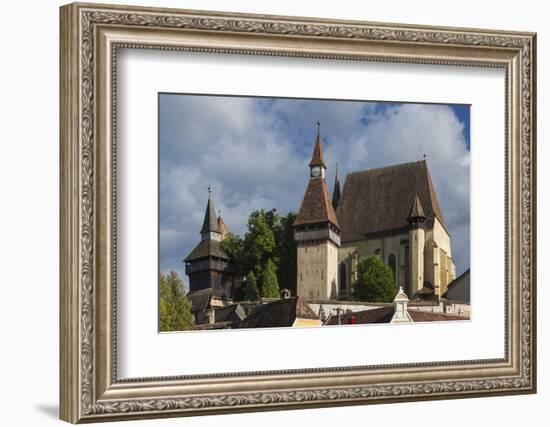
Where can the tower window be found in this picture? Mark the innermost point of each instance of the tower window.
(321, 274)
(300, 277)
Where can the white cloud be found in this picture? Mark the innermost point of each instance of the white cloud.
(254, 154)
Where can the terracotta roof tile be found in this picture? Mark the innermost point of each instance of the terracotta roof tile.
(316, 206)
(427, 316)
(318, 158)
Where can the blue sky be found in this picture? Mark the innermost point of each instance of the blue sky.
(254, 152)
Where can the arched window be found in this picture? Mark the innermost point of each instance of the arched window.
(393, 265)
(342, 279)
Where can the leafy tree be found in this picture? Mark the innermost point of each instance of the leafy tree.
(269, 237)
(286, 253)
(375, 281)
(259, 241)
(233, 246)
(251, 289)
(174, 307)
(270, 284)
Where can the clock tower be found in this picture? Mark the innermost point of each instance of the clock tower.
(317, 234)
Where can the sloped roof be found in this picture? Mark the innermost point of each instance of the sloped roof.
(279, 313)
(427, 316)
(416, 210)
(318, 158)
(234, 312)
(379, 200)
(210, 222)
(206, 248)
(200, 300)
(459, 288)
(223, 228)
(316, 206)
(385, 314)
(375, 315)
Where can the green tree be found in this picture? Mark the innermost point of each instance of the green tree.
(233, 246)
(174, 306)
(269, 237)
(259, 240)
(270, 284)
(251, 288)
(286, 253)
(375, 281)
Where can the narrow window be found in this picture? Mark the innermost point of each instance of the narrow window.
(392, 264)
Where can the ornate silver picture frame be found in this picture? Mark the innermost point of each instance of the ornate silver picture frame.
(91, 390)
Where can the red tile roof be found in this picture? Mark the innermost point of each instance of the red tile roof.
(316, 206)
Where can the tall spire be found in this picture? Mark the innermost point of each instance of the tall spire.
(318, 159)
(210, 222)
(336, 189)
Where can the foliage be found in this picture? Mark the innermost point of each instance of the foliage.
(375, 281)
(174, 306)
(269, 238)
(270, 284)
(286, 253)
(259, 241)
(251, 288)
(233, 246)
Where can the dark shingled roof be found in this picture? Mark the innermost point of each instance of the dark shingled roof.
(210, 222)
(379, 200)
(206, 248)
(200, 300)
(459, 288)
(279, 313)
(230, 313)
(416, 210)
(316, 206)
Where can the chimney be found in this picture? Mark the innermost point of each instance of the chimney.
(285, 293)
(401, 314)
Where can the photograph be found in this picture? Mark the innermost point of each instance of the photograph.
(289, 212)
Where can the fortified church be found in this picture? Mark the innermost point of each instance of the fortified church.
(391, 212)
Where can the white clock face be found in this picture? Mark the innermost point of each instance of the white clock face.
(316, 171)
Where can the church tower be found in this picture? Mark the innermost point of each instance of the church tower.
(208, 266)
(317, 234)
(417, 220)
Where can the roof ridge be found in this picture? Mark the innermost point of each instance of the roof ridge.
(395, 165)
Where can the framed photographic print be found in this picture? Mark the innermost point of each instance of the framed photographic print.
(265, 212)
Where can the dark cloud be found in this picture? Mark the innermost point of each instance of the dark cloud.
(254, 153)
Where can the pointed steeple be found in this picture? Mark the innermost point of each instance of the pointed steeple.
(316, 207)
(318, 159)
(336, 189)
(210, 222)
(416, 216)
(222, 226)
